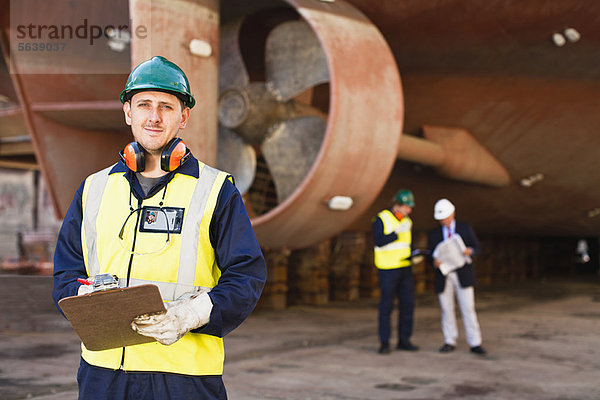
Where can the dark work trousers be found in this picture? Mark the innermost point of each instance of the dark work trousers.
(100, 383)
(397, 282)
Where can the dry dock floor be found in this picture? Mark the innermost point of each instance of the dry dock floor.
(543, 340)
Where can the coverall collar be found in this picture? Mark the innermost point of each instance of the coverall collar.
(190, 168)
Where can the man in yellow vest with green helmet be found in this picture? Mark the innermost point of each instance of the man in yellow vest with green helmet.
(161, 216)
(392, 236)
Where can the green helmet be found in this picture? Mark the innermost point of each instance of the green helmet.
(405, 196)
(161, 75)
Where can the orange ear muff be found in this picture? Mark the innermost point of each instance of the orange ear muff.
(174, 155)
(133, 156)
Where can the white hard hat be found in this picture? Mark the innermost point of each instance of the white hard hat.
(443, 209)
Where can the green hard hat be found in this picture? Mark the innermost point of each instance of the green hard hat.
(405, 196)
(161, 75)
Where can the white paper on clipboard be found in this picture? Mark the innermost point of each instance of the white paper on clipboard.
(450, 253)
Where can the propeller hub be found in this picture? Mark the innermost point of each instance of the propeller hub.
(233, 107)
(250, 111)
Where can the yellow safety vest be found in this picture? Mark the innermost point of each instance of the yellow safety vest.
(397, 253)
(185, 265)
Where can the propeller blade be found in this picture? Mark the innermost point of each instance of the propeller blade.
(232, 71)
(294, 60)
(237, 158)
(290, 150)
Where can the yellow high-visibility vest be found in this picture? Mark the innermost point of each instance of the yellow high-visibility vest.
(397, 253)
(183, 265)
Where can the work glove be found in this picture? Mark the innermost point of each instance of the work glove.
(85, 289)
(417, 259)
(181, 317)
(402, 227)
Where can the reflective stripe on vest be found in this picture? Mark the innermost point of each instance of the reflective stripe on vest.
(93, 197)
(186, 265)
(397, 253)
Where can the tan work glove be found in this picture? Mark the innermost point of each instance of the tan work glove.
(402, 227)
(85, 289)
(417, 259)
(181, 317)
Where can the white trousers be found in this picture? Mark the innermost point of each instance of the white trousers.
(466, 302)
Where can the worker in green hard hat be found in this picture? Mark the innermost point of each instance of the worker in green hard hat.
(392, 236)
(161, 217)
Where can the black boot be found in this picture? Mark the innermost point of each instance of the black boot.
(407, 345)
(384, 348)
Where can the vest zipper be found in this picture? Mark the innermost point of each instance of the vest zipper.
(137, 221)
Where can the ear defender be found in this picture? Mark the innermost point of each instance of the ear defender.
(174, 155)
(133, 156)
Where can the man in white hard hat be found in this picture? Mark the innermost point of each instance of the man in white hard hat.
(458, 280)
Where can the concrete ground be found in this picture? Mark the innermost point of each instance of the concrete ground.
(543, 340)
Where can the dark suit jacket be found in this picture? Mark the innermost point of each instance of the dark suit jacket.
(466, 274)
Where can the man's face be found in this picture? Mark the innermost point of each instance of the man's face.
(155, 118)
(402, 209)
(447, 221)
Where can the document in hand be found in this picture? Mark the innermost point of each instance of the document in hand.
(451, 254)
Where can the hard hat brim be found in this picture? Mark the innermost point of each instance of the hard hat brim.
(441, 216)
(127, 94)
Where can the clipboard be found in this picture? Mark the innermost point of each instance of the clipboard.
(102, 320)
